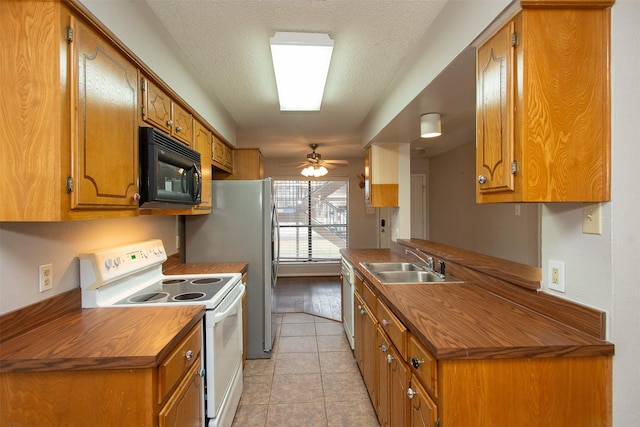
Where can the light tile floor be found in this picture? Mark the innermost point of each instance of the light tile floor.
(311, 379)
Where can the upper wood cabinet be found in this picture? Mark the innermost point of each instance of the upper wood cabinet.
(543, 106)
(248, 163)
(222, 155)
(160, 111)
(381, 175)
(104, 132)
(203, 146)
(69, 135)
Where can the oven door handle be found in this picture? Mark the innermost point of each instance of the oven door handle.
(219, 317)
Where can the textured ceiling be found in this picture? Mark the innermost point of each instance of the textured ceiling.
(226, 42)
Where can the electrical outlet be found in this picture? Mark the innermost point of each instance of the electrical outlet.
(556, 275)
(45, 277)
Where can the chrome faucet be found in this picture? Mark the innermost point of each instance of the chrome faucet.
(428, 261)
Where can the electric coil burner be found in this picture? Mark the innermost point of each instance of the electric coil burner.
(131, 276)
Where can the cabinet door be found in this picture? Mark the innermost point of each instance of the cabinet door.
(182, 128)
(104, 123)
(358, 322)
(185, 406)
(495, 118)
(203, 146)
(399, 376)
(156, 107)
(424, 412)
(369, 358)
(382, 352)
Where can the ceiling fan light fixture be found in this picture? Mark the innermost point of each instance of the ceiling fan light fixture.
(314, 171)
(430, 125)
(301, 64)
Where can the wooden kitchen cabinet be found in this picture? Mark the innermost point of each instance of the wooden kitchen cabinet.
(70, 151)
(159, 110)
(381, 175)
(393, 381)
(248, 163)
(203, 146)
(365, 343)
(543, 105)
(169, 393)
(222, 155)
(423, 411)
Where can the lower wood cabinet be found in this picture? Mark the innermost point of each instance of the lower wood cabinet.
(423, 411)
(411, 388)
(170, 394)
(365, 329)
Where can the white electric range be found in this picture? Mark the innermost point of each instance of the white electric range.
(131, 276)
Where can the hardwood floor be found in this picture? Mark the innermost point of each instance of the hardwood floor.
(319, 296)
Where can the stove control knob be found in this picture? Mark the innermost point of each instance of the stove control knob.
(117, 261)
(108, 263)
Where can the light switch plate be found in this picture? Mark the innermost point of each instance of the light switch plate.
(592, 218)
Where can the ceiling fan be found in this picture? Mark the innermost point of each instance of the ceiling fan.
(314, 165)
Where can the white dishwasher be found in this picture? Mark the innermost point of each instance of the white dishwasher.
(348, 287)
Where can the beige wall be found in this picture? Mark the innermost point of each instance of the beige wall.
(455, 219)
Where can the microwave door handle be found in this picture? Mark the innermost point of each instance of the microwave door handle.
(197, 182)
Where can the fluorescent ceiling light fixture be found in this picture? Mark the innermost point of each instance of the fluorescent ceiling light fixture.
(301, 63)
(316, 171)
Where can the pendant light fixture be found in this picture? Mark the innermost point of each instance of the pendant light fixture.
(430, 125)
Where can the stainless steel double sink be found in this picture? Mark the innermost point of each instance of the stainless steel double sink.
(391, 273)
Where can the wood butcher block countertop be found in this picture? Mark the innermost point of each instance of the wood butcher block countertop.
(101, 338)
(58, 334)
(464, 321)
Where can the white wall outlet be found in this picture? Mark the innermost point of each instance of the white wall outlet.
(556, 275)
(592, 218)
(45, 277)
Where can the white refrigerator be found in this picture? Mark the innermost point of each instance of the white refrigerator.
(242, 227)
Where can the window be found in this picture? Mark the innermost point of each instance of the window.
(313, 219)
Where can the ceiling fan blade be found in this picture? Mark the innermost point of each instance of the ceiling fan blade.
(337, 162)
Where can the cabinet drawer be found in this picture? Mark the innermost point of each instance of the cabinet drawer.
(369, 297)
(426, 369)
(393, 327)
(176, 364)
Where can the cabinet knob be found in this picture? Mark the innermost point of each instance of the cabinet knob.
(178, 129)
(202, 372)
(383, 348)
(136, 197)
(189, 355)
(169, 123)
(389, 358)
(416, 362)
(362, 312)
(410, 393)
(384, 323)
(482, 179)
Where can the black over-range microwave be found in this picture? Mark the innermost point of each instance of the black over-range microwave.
(170, 172)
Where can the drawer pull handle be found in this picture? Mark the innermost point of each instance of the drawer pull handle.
(189, 355)
(411, 393)
(384, 323)
(416, 362)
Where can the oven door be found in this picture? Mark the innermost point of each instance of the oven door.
(223, 358)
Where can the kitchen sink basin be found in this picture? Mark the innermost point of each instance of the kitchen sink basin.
(374, 267)
(390, 273)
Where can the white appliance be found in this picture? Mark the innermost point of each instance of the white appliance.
(242, 227)
(131, 276)
(348, 288)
